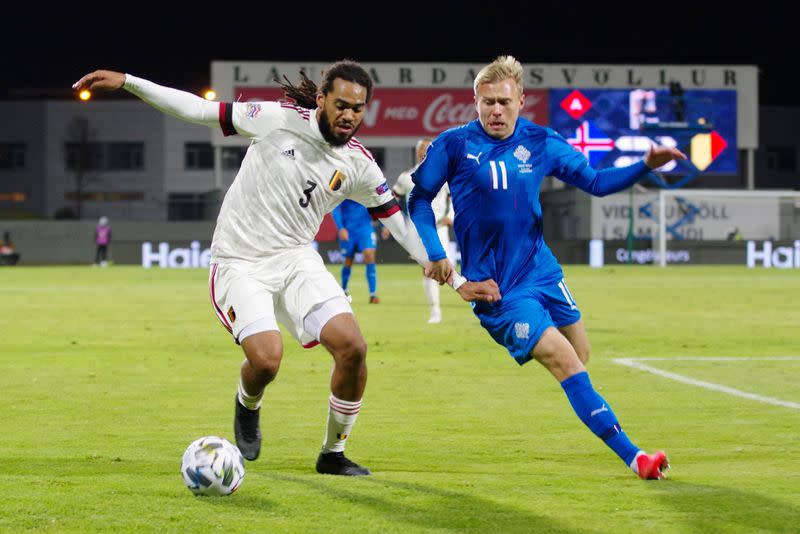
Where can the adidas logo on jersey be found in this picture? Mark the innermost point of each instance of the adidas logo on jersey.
(289, 153)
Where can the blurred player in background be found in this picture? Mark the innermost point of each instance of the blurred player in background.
(494, 166)
(443, 213)
(302, 162)
(356, 234)
(8, 251)
(102, 239)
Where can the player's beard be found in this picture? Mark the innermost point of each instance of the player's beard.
(327, 132)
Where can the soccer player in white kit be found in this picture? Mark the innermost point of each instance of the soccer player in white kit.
(301, 163)
(443, 212)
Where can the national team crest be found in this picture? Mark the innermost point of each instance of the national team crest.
(336, 180)
(231, 314)
(522, 330)
(341, 436)
(522, 154)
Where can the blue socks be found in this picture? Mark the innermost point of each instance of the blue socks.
(345, 277)
(372, 278)
(595, 413)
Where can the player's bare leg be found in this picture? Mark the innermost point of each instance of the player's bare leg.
(558, 355)
(343, 339)
(577, 337)
(263, 352)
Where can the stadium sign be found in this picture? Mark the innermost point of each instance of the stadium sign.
(176, 258)
(257, 73)
(408, 93)
(779, 257)
(687, 218)
(649, 255)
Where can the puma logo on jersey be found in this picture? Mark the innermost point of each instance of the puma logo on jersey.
(289, 153)
(476, 158)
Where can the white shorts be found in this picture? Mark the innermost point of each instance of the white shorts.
(292, 287)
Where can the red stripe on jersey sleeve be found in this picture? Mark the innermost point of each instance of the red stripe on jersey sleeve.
(226, 119)
(384, 210)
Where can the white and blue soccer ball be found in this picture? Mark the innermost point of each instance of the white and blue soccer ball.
(212, 466)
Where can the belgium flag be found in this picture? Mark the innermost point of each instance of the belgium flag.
(336, 181)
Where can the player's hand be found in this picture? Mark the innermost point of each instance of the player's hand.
(661, 155)
(441, 270)
(344, 235)
(485, 291)
(100, 79)
(385, 233)
(445, 221)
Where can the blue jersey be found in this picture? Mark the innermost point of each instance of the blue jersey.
(495, 185)
(353, 216)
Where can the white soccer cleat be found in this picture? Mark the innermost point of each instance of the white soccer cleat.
(436, 317)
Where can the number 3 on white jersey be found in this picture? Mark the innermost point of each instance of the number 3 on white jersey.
(494, 166)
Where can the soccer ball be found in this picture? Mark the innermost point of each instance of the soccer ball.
(212, 466)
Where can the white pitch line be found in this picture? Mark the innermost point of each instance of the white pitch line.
(635, 363)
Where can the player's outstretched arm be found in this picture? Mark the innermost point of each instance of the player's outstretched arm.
(613, 180)
(572, 167)
(404, 234)
(105, 80)
(179, 104)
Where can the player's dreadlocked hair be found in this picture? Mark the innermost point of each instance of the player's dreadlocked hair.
(501, 68)
(305, 94)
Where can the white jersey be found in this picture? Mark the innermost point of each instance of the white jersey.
(289, 179)
(441, 204)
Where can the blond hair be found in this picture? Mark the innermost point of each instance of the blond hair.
(502, 68)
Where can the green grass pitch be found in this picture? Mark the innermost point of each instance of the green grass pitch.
(106, 375)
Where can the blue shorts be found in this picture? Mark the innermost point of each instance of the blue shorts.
(359, 242)
(521, 317)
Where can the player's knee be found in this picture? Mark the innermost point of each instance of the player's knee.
(264, 361)
(557, 355)
(352, 354)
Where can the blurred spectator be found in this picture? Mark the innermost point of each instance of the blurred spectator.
(102, 238)
(734, 234)
(8, 252)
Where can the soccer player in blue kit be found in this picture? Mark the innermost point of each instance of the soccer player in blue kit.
(494, 166)
(356, 234)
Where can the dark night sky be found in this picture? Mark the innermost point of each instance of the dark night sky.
(48, 49)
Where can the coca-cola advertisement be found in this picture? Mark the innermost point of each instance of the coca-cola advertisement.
(413, 111)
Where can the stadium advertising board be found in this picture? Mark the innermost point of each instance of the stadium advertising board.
(413, 99)
(414, 112)
(686, 218)
(768, 255)
(765, 254)
(165, 256)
